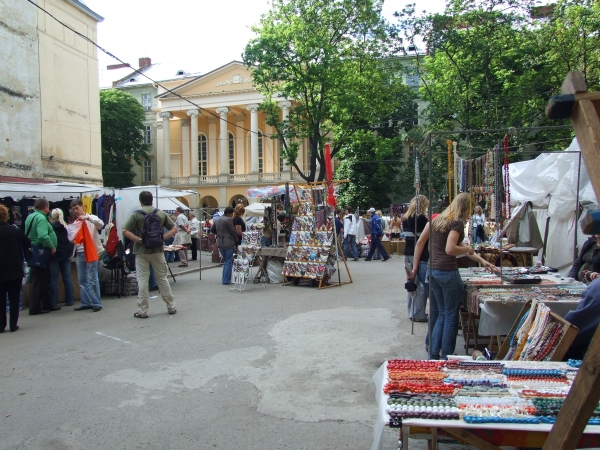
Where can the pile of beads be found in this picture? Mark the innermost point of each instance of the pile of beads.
(551, 407)
(419, 388)
(547, 393)
(475, 381)
(398, 375)
(488, 402)
(551, 419)
(409, 364)
(424, 414)
(474, 365)
(551, 375)
(495, 419)
(475, 391)
(576, 363)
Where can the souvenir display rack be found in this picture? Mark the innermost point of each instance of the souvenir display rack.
(242, 265)
(538, 334)
(311, 253)
(463, 396)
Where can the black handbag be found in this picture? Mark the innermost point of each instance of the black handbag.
(38, 255)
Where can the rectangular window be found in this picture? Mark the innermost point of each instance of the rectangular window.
(231, 155)
(147, 171)
(148, 134)
(260, 152)
(412, 78)
(202, 156)
(147, 101)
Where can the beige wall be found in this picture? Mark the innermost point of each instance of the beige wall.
(20, 125)
(70, 104)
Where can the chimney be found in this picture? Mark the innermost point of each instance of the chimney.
(145, 61)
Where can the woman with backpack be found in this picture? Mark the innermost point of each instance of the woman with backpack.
(61, 260)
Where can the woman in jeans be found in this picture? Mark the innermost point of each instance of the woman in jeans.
(447, 235)
(61, 260)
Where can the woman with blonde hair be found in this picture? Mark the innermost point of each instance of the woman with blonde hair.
(61, 260)
(413, 223)
(447, 234)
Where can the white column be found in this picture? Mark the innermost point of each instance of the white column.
(253, 137)
(184, 149)
(166, 177)
(223, 141)
(213, 169)
(240, 143)
(285, 112)
(194, 161)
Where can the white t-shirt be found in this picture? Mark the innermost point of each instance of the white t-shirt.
(478, 220)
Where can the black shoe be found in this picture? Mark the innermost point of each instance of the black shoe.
(41, 311)
(192, 259)
(153, 288)
(96, 309)
(355, 259)
(368, 259)
(55, 308)
(16, 327)
(385, 259)
(82, 308)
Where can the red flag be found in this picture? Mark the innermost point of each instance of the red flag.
(329, 171)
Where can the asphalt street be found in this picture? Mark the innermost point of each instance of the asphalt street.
(272, 367)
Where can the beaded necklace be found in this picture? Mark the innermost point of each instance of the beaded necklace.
(506, 177)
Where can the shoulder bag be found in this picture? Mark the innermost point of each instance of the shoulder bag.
(39, 253)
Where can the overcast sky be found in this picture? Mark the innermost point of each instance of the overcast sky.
(207, 33)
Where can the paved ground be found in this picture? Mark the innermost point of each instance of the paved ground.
(275, 368)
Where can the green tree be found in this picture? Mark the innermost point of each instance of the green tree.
(328, 58)
(122, 122)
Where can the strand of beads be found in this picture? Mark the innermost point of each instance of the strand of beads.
(419, 388)
(574, 363)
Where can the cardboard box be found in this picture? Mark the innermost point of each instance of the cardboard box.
(401, 246)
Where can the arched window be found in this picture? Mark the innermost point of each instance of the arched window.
(231, 154)
(202, 155)
(260, 152)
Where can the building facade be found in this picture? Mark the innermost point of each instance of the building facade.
(49, 100)
(222, 146)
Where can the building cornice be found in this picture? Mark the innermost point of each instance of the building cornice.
(85, 9)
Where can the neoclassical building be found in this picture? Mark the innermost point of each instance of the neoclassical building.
(220, 148)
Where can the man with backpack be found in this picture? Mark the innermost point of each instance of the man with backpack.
(145, 228)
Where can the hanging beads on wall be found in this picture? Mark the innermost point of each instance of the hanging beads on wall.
(506, 178)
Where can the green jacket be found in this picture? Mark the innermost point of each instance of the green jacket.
(41, 232)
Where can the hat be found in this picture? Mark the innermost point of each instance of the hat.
(371, 210)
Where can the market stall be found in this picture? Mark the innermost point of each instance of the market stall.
(484, 403)
(493, 302)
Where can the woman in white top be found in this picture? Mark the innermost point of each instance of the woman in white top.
(478, 224)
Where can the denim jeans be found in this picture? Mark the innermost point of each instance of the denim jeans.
(152, 279)
(433, 309)
(419, 303)
(266, 241)
(447, 288)
(64, 265)
(350, 244)
(227, 254)
(87, 278)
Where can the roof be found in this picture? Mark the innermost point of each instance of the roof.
(80, 4)
(164, 71)
(197, 77)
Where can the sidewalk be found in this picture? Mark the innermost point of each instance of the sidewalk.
(204, 260)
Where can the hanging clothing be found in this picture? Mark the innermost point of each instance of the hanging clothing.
(87, 204)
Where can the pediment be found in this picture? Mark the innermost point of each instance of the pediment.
(231, 77)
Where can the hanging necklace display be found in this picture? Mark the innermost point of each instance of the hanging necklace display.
(449, 174)
(497, 185)
(506, 178)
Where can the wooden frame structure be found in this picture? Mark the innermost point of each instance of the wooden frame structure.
(583, 109)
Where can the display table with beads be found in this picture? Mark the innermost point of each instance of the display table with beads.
(493, 305)
(531, 393)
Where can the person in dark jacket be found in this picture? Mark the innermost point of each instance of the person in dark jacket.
(12, 242)
(586, 317)
(226, 239)
(587, 265)
(61, 260)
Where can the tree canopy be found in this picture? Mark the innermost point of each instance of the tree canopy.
(328, 58)
(122, 122)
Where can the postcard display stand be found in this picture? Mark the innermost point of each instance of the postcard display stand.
(242, 264)
(311, 238)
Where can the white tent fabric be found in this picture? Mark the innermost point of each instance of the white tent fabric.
(256, 209)
(550, 183)
(51, 191)
(128, 201)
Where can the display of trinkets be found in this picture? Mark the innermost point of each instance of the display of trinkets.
(247, 251)
(478, 392)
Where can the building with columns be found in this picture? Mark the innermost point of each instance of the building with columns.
(221, 147)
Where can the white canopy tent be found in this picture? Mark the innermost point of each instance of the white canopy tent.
(550, 183)
(51, 191)
(128, 201)
(256, 209)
